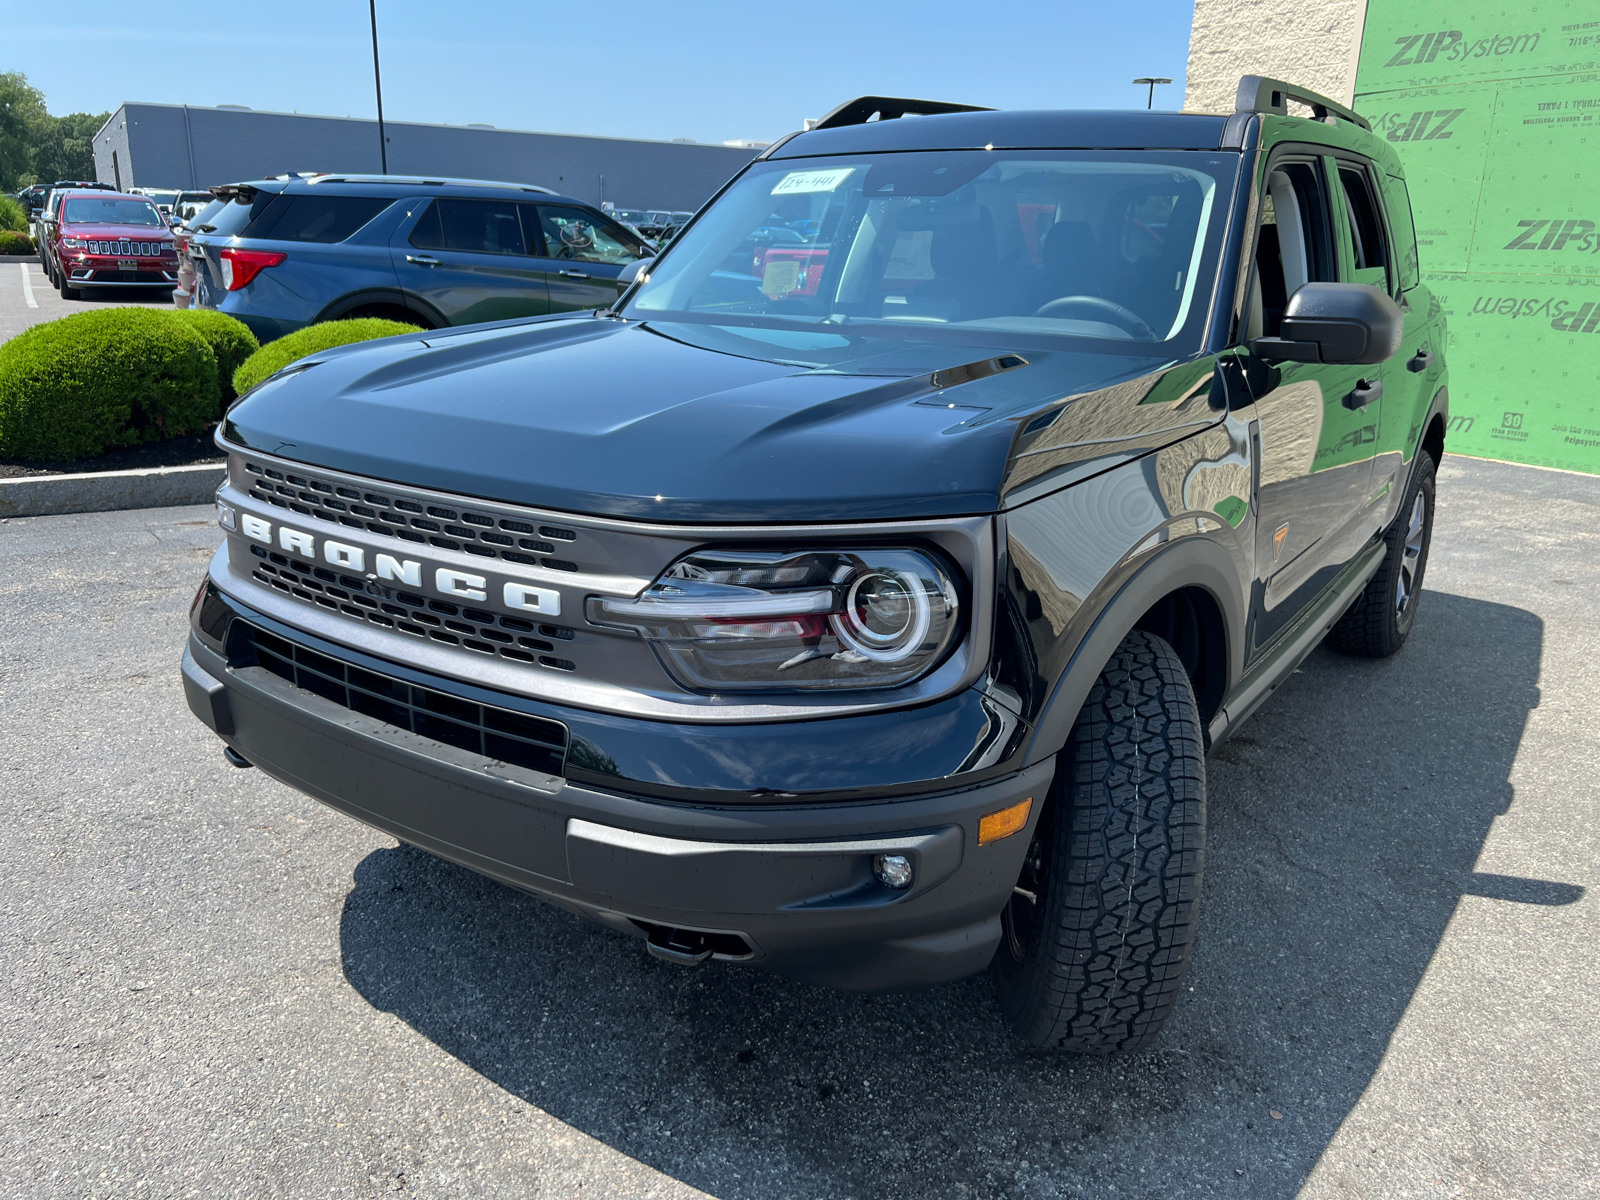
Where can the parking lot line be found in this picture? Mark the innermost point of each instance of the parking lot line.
(27, 286)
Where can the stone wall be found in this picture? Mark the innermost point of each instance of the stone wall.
(1314, 45)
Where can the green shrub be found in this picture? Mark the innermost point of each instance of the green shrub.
(274, 356)
(230, 340)
(12, 242)
(96, 381)
(12, 215)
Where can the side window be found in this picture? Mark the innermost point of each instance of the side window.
(1369, 246)
(482, 226)
(1405, 233)
(428, 233)
(1294, 246)
(575, 235)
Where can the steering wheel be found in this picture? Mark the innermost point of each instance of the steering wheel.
(1101, 309)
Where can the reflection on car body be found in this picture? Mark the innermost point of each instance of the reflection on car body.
(433, 253)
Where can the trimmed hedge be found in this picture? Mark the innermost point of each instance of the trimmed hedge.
(229, 338)
(313, 339)
(13, 216)
(12, 242)
(97, 381)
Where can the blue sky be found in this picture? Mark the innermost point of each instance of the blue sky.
(711, 71)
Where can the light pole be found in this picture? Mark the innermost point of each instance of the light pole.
(1151, 80)
(377, 83)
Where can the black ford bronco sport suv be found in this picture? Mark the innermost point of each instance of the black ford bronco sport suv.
(860, 595)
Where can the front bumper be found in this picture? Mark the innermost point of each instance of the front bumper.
(150, 273)
(788, 886)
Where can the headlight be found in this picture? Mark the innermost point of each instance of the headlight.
(72, 243)
(782, 620)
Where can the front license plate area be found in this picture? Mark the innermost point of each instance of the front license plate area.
(127, 264)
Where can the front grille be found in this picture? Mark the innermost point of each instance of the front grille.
(129, 249)
(449, 528)
(470, 628)
(498, 733)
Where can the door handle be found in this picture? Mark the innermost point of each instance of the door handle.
(574, 274)
(422, 260)
(1364, 394)
(1421, 361)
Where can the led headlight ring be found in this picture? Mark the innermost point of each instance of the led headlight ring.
(898, 587)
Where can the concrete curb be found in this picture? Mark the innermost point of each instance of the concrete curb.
(105, 491)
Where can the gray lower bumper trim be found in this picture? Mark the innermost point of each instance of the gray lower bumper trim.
(700, 876)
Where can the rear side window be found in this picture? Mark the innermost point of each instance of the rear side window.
(1405, 233)
(480, 226)
(316, 218)
(428, 233)
(1368, 245)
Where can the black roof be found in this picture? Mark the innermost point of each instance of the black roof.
(1089, 129)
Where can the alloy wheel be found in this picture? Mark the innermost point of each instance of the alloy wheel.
(1411, 555)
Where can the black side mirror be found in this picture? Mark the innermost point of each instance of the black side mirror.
(1336, 323)
(633, 270)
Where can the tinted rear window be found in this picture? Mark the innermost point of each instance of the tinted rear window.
(315, 218)
(1405, 232)
(234, 215)
(483, 226)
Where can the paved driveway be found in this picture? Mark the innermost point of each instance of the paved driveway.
(27, 297)
(216, 987)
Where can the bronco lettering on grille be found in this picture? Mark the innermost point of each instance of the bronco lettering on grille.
(446, 581)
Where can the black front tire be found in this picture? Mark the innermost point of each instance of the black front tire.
(1098, 935)
(1380, 620)
(68, 292)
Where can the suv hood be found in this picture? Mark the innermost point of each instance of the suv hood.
(134, 233)
(699, 423)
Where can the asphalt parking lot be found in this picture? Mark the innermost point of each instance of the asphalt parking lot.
(28, 298)
(216, 987)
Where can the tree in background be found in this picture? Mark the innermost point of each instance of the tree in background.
(34, 146)
(21, 110)
(63, 147)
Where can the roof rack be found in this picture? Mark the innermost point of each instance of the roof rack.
(441, 181)
(1258, 94)
(889, 108)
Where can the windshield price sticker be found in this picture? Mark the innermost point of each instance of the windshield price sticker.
(798, 182)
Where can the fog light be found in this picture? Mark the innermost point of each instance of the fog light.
(893, 870)
(226, 517)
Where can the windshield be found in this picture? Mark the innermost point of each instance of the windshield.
(86, 210)
(1114, 247)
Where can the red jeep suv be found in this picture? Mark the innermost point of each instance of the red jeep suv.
(106, 239)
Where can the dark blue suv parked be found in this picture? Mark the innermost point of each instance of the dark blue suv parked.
(285, 253)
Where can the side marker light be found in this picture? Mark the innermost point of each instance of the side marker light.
(1002, 824)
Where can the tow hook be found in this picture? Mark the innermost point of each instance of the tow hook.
(682, 946)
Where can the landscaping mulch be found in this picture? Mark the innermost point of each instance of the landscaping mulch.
(175, 452)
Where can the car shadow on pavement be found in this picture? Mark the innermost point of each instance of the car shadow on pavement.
(1346, 820)
(154, 294)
